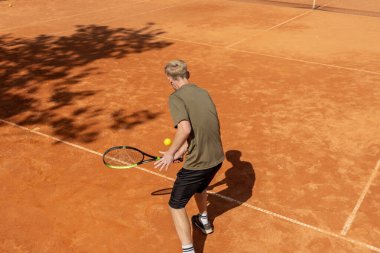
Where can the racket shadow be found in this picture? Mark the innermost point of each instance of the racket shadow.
(165, 191)
(239, 181)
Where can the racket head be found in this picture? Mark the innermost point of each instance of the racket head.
(125, 157)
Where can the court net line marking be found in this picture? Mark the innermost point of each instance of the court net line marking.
(273, 214)
(354, 212)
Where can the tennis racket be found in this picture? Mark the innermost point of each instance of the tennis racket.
(125, 157)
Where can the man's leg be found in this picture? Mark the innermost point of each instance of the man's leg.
(182, 225)
(201, 220)
(201, 200)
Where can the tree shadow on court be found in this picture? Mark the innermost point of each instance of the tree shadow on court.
(239, 180)
(123, 121)
(41, 77)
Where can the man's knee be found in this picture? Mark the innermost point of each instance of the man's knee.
(176, 204)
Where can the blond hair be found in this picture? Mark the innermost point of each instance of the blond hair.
(177, 69)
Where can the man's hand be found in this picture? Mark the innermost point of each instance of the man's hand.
(165, 161)
(178, 157)
(178, 147)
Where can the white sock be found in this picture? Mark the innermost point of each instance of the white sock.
(204, 218)
(188, 248)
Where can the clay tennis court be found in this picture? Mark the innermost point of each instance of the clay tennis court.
(298, 95)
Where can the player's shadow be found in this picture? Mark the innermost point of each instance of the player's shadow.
(239, 182)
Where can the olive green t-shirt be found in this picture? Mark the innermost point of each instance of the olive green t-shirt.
(194, 104)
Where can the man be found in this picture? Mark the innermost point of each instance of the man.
(198, 135)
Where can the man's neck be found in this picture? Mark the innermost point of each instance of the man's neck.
(182, 82)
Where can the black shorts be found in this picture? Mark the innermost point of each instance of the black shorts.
(188, 183)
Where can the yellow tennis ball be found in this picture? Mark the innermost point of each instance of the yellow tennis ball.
(167, 141)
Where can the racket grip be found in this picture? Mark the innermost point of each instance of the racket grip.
(179, 160)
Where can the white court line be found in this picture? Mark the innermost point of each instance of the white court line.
(273, 214)
(51, 137)
(154, 10)
(227, 47)
(271, 56)
(352, 216)
(325, 232)
(76, 146)
(270, 28)
(275, 26)
(68, 16)
(308, 62)
(109, 20)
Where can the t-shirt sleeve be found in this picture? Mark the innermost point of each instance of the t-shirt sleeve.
(177, 110)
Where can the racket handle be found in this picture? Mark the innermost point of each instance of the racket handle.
(179, 160)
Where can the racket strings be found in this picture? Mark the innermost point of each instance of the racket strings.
(123, 156)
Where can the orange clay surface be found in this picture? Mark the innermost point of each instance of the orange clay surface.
(297, 91)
